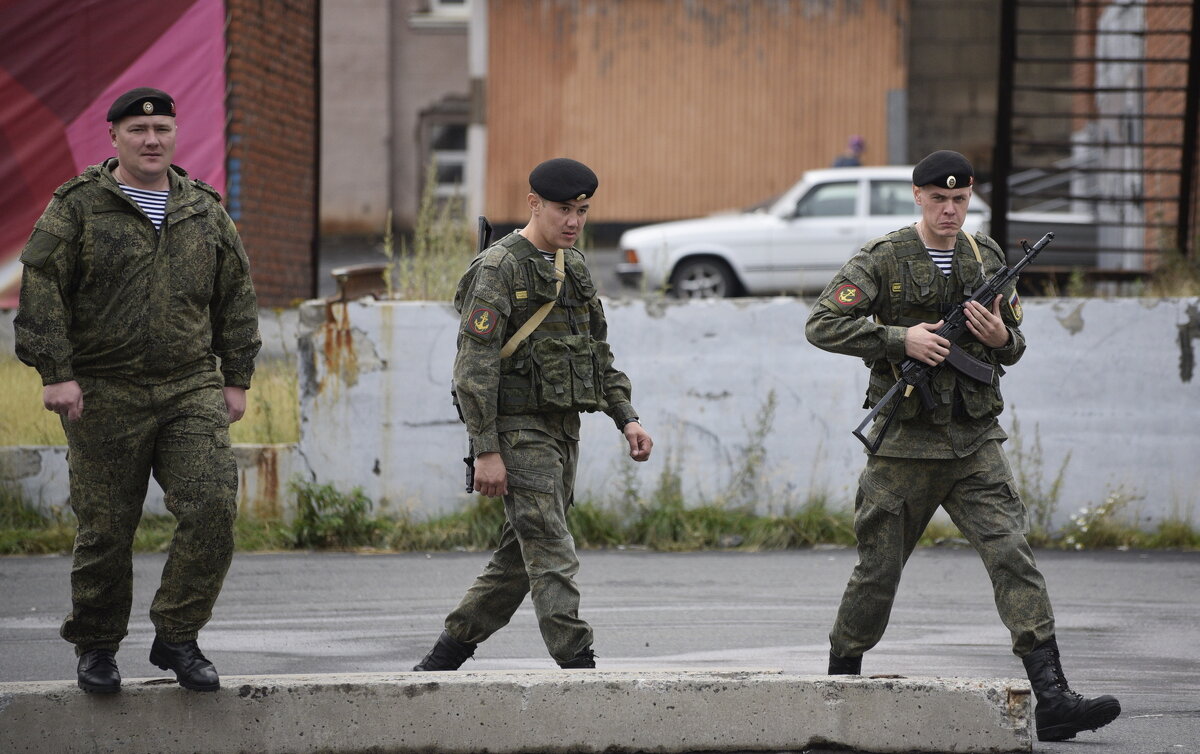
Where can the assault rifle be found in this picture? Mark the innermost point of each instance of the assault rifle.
(485, 240)
(915, 375)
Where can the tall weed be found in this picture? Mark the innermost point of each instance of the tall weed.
(442, 246)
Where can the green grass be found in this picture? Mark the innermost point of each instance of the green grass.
(345, 521)
(272, 407)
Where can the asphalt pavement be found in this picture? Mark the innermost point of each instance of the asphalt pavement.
(1128, 622)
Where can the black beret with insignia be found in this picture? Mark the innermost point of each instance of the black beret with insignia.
(141, 101)
(563, 180)
(944, 168)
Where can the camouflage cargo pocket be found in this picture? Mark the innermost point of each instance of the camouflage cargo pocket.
(601, 358)
(552, 374)
(875, 493)
(532, 506)
(516, 393)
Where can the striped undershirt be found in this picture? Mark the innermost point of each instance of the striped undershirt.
(153, 203)
(941, 258)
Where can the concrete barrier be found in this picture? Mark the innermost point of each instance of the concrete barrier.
(562, 711)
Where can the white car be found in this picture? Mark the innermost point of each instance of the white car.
(792, 244)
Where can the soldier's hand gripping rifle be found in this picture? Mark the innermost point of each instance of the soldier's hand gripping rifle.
(915, 375)
(485, 240)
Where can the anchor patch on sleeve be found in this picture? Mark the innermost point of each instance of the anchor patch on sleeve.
(847, 295)
(482, 321)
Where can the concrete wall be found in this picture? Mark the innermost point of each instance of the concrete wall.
(41, 475)
(1105, 387)
(1108, 388)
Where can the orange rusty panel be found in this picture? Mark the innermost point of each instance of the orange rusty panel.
(685, 107)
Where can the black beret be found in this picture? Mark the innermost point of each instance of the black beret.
(563, 180)
(141, 101)
(944, 168)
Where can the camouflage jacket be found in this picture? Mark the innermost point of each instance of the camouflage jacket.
(105, 294)
(503, 287)
(890, 285)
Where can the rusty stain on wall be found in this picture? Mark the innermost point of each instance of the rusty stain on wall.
(262, 499)
(337, 338)
(346, 350)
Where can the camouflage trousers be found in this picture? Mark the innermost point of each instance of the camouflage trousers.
(896, 499)
(536, 554)
(178, 432)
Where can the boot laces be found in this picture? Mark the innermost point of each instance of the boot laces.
(1060, 678)
(196, 655)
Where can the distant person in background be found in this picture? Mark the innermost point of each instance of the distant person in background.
(852, 157)
(135, 285)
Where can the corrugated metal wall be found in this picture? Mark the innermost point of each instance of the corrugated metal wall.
(685, 107)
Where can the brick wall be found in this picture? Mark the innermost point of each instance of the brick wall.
(272, 141)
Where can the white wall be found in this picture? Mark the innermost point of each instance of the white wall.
(1101, 381)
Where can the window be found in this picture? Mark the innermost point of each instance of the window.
(449, 156)
(829, 200)
(443, 145)
(449, 7)
(441, 14)
(893, 198)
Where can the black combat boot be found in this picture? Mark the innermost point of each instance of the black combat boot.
(844, 665)
(97, 671)
(447, 654)
(585, 659)
(192, 669)
(1061, 713)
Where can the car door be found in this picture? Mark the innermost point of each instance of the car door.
(819, 236)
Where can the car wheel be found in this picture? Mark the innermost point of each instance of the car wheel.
(703, 278)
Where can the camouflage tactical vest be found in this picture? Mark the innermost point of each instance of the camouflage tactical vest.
(559, 367)
(914, 290)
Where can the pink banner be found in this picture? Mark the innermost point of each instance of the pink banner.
(61, 67)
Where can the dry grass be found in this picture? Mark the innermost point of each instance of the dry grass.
(272, 410)
(23, 421)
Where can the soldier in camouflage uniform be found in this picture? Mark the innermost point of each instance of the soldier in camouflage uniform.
(883, 306)
(521, 403)
(126, 306)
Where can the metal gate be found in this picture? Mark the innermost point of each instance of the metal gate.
(1096, 132)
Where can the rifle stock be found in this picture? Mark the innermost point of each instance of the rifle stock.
(483, 240)
(917, 374)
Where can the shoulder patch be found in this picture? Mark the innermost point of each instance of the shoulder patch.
(847, 295)
(1014, 304)
(482, 320)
